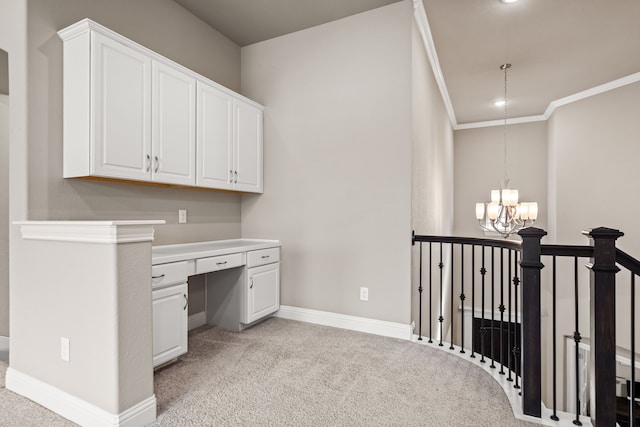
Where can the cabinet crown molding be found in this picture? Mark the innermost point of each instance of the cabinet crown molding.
(86, 25)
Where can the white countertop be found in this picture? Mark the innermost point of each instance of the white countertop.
(185, 251)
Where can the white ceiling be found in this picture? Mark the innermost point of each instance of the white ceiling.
(557, 48)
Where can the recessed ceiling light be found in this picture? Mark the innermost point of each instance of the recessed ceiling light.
(508, 1)
(499, 103)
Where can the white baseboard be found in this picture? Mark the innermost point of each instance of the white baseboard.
(354, 323)
(197, 320)
(78, 410)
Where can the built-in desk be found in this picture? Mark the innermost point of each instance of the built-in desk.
(244, 289)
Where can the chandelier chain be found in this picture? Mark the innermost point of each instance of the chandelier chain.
(505, 67)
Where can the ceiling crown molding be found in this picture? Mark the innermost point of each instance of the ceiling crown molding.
(420, 16)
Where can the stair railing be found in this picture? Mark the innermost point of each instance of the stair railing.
(509, 275)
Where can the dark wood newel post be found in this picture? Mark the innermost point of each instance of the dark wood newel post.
(530, 296)
(602, 366)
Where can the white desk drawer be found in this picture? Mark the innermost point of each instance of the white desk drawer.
(216, 263)
(262, 257)
(166, 274)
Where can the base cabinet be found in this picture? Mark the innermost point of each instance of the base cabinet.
(262, 292)
(242, 288)
(170, 323)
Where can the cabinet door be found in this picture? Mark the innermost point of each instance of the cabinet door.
(214, 138)
(121, 146)
(248, 148)
(170, 323)
(174, 126)
(263, 292)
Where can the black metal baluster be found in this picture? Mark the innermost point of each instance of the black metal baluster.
(483, 272)
(473, 299)
(441, 318)
(493, 308)
(632, 388)
(451, 316)
(554, 320)
(501, 308)
(516, 347)
(462, 298)
(577, 338)
(509, 343)
(420, 297)
(430, 293)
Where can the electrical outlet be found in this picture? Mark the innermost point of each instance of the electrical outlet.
(364, 294)
(64, 349)
(182, 216)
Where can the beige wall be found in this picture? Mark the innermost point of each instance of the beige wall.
(167, 28)
(4, 215)
(479, 168)
(593, 177)
(110, 362)
(13, 35)
(337, 144)
(4, 72)
(432, 165)
(593, 152)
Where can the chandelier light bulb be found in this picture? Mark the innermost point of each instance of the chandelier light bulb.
(479, 211)
(533, 211)
(495, 196)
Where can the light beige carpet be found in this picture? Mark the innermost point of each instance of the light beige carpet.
(283, 372)
(286, 373)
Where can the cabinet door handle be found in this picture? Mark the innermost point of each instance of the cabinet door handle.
(265, 256)
(186, 301)
(251, 283)
(158, 277)
(221, 263)
(157, 164)
(236, 181)
(148, 163)
(230, 176)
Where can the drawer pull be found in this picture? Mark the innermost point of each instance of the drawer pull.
(265, 256)
(221, 263)
(158, 277)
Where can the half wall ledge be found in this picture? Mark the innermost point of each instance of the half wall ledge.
(81, 322)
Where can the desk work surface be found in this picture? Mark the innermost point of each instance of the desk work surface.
(189, 251)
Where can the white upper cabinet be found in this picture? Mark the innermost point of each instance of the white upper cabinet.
(122, 90)
(174, 126)
(248, 147)
(215, 138)
(132, 114)
(107, 107)
(229, 141)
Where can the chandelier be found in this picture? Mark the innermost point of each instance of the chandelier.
(504, 214)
